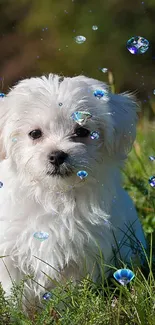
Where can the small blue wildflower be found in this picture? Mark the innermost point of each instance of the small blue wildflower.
(123, 276)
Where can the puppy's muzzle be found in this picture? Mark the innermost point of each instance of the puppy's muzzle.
(60, 167)
(57, 158)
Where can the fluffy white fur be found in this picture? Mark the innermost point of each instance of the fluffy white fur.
(79, 215)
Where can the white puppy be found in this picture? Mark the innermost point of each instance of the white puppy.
(43, 147)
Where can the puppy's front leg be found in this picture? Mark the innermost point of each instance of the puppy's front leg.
(8, 274)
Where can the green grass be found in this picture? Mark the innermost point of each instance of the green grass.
(137, 171)
(105, 303)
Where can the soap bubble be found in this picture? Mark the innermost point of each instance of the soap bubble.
(80, 39)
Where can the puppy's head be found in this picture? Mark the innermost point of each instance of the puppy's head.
(43, 140)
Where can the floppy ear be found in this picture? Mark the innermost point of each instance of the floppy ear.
(2, 151)
(3, 118)
(124, 111)
(120, 124)
(118, 116)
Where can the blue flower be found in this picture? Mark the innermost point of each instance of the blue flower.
(123, 276)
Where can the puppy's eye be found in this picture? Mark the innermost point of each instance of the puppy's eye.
(35, 134)
(82, 132)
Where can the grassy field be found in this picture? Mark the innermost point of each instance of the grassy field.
(108, 303)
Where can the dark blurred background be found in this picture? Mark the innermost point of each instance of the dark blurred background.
(37, 37)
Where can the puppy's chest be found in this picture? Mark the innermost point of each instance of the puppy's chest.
(51, 239)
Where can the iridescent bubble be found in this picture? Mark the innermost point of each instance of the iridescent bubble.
(14, 139)
(94, 135)
(47, 295)
(94, 27)
(152, 181)
(137, 45)
(152, 158)
(1, 184)
(80, 39)
(41, 235)
(104, 70)
(60, 104)
(2, 95)
(81, 117)
(99, 93)
(82, 174)
(123, 276)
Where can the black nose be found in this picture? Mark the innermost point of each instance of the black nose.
(58, 157)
